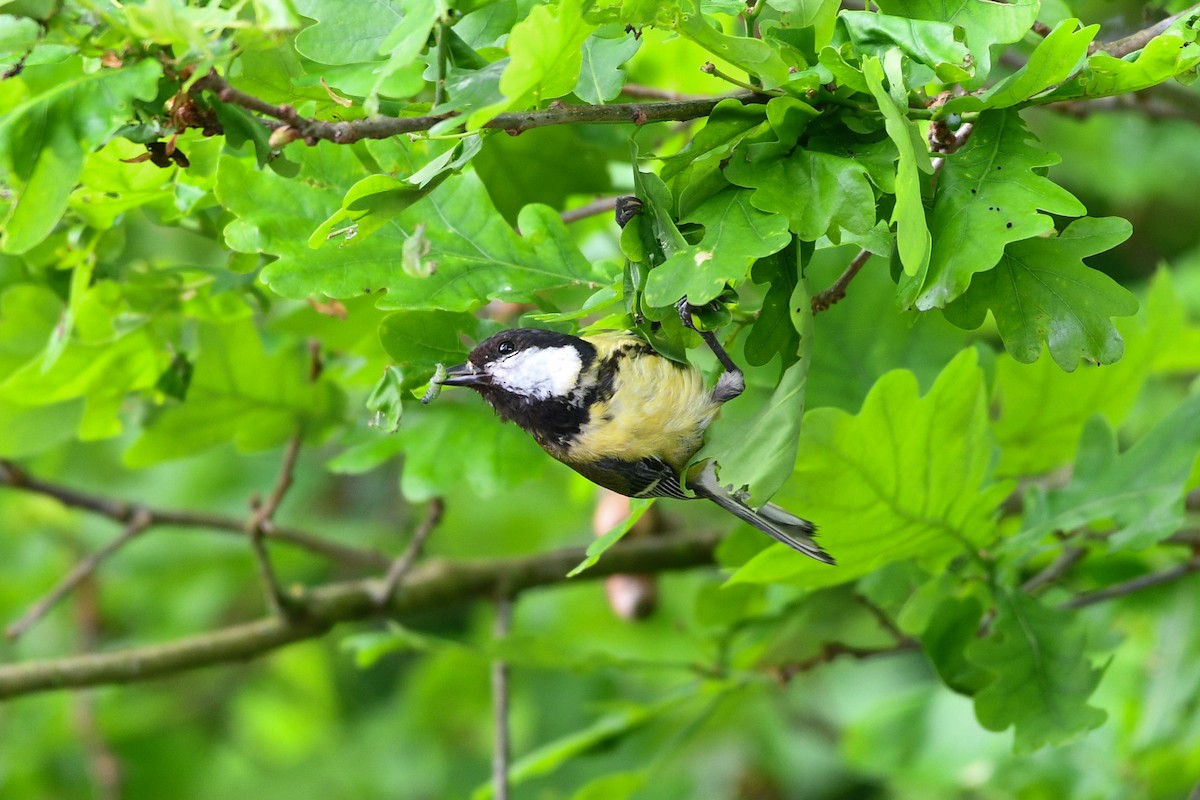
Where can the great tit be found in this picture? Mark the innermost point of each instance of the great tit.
(620, 414)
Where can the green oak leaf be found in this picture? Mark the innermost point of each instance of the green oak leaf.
(448, 445)
(1141, 490)
(347, 33)
(1041, 410)
(101, 372)
(817, 192)
(730, 122)
(17, 36)
(1165, 56)
(545, 56)
(418, 340)
(937, 45)
(756, 57)
(600, 76)
(637, 13)
(773, 331)
(912, 231)
(952, 626)
(735, 236)
(986, 23)
(475, 255)
(989, 193)
(1042, 675)
(240, 394)
(1053, 61)
(1041, 291)
(758, 452)
(64, 113)
(906, 478)
(403, 44)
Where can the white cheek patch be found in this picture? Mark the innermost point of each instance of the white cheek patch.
(539, 372)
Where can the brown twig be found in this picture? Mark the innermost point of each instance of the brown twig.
(501, 746)
(1059, 567)
(78, 574)
(404, 563)
(312, 130)
(825, 298)
(834, 650)
(602, 205)
(434, 585)
(260, 521)
(122, 511)
(1136, 41)
(1135, 585)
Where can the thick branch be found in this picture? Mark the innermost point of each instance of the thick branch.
(1136, 41)
(312, 130)
(433, 586)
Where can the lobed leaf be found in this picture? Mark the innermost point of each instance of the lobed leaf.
(907, 478)
(1042, 675)
(473, 253)
(545, 57)
(735, 236)
(912, 231)
(240, 394)
(43, 139)
(818, 192)
(1167, 56)
(986, 23)
(989, 193)
(1041, 291)
(1053, 61)
(755, 56)
(1141, 491)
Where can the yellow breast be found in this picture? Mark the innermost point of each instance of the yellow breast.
(657, 408)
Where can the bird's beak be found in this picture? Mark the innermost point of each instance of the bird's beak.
(466, 375)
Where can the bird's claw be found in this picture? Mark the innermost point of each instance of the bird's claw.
(686, 310)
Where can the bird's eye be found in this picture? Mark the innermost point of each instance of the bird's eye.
(506, 347)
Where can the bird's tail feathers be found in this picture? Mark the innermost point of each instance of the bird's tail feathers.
(778, 523)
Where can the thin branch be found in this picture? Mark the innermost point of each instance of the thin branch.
(434, 585)
(825, 298)
(1136, 41)
(260, 521)
(312, 130)
(443, 53)
(834, 650)
(123, 511)
(404, 563)
(1135, 585)
(78, 574)
(602, 205)
(710, 68)
(501, 747)
(1066, 559)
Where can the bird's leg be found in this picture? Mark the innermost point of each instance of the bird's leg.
(732, 382)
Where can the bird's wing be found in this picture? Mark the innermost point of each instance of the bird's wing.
(776, 522)
(647, 477)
